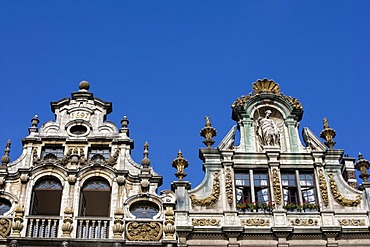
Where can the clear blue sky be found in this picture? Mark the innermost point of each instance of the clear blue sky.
(167, 64)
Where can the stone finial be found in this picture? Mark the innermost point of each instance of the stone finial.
(145, 162)
(34, 122)
(362, 165)
(208, 132)
(124, 125)
(5, 159)
(84, 86)
(180, 163)
(328, 134)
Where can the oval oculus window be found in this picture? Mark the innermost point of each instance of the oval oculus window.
(144, 209)
(78, 130)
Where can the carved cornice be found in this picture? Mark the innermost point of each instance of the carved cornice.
(345, 202)
(205, 222)
(212, 198)
(323, 188)
(144, 231)
(229, 187)
(304, 222)
(255, 222)
(351, 222)
(276, 187)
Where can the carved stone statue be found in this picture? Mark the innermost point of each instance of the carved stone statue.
(268, 131)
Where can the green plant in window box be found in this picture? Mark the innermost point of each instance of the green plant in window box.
(266, 207)
(311, 206)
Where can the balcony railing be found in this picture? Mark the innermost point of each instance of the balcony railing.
(92, 227)
(43, 226)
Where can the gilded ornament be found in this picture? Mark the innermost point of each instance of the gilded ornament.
(276, 187)
(351, 222)
(180, 163)
(294, 102)
(205, 222)
(266, 86)
(304, 222)
(208, 132)
(229, 187)
(345, 202)
(323, 188)
(362, 165)
(328, 134)
(143, 231)
(255, 222)
(5, 226)
(169, 224)
(212, 198)
(17, 225)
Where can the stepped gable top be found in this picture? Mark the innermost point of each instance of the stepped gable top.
(265, 88)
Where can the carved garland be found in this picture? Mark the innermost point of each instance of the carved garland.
(351, 222)
(144, 231)
(212, 198)
(229, 187)
(304, 222)
(276, 187)
(255, 222)
(205, 222)
(323, 188)
(345, 202)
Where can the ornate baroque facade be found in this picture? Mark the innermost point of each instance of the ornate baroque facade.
(75, 184)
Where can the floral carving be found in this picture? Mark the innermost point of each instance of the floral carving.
(255, 222)
(229, 187)
(276, 186)
(5, 226)
(351, 222)
(323, 188)
(345, 202)
(113, 159)
(144, 231)
(212, 198)
(205, 222)
(304, 222)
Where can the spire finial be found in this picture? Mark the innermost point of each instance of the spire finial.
(124, 125)
(328, 134)
(208, 132)
(145, 162)
(180, 163)
(5, 159)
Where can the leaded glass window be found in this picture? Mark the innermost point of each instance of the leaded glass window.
(144, 210)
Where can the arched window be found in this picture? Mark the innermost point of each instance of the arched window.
(46, 197)
(5, 206)
(95, 198)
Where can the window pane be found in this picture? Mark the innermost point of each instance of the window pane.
(242, 179)
(103, 151)
(58, 151)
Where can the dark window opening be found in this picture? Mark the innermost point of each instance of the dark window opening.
(95, 198)
(5, 206)
(46, 197)
(78, 129)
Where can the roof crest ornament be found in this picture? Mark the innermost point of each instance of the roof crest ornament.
(5, 159)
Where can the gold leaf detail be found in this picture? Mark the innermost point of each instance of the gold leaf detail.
(144, 231)
(345, 202)
(212, 198)
(255, 222)
(323, 188)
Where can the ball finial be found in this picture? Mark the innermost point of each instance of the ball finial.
(84, 85)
